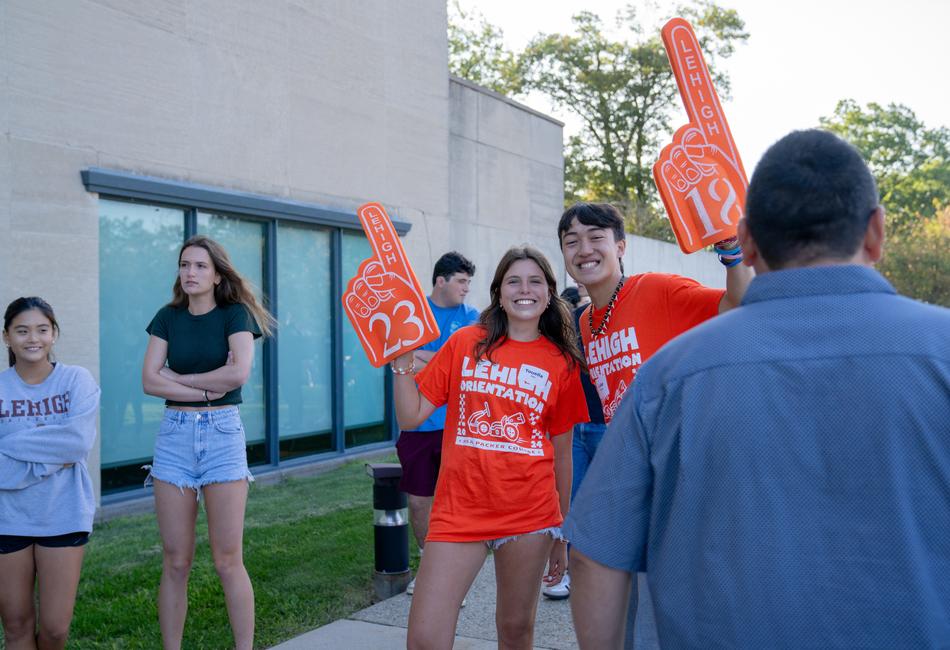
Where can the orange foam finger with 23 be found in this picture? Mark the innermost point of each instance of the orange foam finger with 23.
(384, 301)
(699, 175)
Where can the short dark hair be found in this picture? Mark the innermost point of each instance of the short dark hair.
(810, 198)
(21, 305)
(602, 215)
(572, 296)
(450, 264)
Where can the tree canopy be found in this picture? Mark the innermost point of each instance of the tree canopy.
(620, 87)
(477, 52)
(911, 164)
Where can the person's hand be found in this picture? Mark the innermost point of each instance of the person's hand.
(557, 563)
(212, 395)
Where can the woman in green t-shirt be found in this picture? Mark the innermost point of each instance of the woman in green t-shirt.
(199, 355)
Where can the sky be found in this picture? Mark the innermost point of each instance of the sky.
(800, 59)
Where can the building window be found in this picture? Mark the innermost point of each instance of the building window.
(311, 392)
(138, 254)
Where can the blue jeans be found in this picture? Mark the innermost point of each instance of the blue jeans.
(587, 437)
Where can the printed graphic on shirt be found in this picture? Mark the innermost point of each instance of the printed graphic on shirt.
(24, 408)
(519, 395)
(608, 355)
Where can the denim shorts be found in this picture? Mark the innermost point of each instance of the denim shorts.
(196, 448)
(553, 531)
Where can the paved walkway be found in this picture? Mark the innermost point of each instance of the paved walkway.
(383, 626)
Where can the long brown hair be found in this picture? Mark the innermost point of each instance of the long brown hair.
(233, 289)
(556, 323)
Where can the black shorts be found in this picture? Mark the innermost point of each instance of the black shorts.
(420, 454)
(14, 543)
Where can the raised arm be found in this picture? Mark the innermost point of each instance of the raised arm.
(412, 408)
(228, 377)
(738, 278)
(153, 383)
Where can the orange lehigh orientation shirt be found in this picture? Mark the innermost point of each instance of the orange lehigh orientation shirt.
(497, 474)
(651, 309)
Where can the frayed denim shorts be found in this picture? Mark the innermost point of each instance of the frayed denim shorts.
(197, 448)
(553, 531)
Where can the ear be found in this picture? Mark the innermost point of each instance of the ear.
(750, 252)
(217, 279)
(621, 247)
(873, 245)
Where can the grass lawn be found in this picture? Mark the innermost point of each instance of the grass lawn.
(308, 547)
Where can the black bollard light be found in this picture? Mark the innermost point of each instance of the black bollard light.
(390, 530)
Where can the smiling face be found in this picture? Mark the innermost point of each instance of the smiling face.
(592, 255)
(30, 336)
(196, 272)
(524, 293)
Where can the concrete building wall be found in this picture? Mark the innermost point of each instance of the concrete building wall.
(506, 185)
(332, 103)
(650, 255)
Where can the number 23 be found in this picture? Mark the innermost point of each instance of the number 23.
(410, 319)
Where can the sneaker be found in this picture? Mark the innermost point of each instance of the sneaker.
(560, 591)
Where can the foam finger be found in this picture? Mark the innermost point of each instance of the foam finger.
(696, 87)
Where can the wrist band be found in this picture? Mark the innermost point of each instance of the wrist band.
(403, 371)
(729, 252)
(206, 396)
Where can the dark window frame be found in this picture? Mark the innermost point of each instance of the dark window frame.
(191, 198)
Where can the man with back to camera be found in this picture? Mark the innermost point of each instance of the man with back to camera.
(420, 451)
(782, 473)
(631, 317)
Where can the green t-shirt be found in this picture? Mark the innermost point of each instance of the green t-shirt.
(199, 344)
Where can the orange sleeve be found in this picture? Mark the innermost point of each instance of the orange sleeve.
(689, 303)
(435, 378)
(570, 407)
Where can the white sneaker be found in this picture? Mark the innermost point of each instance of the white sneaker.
(560, 591)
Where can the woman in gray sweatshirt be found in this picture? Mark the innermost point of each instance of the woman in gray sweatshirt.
(47, 428)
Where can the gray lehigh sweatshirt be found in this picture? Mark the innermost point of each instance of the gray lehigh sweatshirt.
(44, 427)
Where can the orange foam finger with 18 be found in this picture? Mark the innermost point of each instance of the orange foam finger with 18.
(699, 175)
(384, 301)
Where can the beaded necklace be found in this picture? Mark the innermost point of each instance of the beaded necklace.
(610, 307)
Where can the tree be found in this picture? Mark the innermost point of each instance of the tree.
(624, 93)
(918, 264)
(910, 162)
(477, 52)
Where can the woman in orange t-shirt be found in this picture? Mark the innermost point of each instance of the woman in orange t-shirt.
(513, 393)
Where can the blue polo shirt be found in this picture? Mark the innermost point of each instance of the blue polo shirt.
(449, 319)
(782, 472)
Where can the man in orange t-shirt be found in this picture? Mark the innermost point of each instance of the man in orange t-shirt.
(631, 318)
